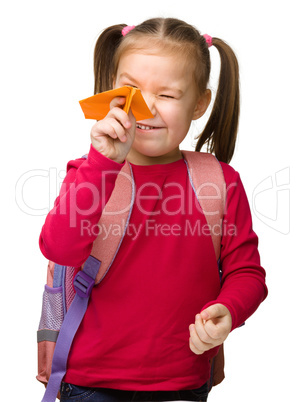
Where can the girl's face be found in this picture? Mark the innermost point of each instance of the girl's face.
(168, 87)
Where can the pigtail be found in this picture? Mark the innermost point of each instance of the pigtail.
(221, 129)
(104, 54)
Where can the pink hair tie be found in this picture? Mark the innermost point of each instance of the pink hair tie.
(208, 40)
(127, 29)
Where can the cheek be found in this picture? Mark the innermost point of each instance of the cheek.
(172, 114)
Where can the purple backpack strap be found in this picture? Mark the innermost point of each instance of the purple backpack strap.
(117, 210)
(83, 283)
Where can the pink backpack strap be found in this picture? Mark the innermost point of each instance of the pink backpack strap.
(208, 183)
(114, 221)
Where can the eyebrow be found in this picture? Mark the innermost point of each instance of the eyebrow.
(126, 75)
(162, 88)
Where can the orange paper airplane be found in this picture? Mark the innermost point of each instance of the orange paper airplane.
(97, 106)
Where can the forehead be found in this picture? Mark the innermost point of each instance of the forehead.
(157, 62)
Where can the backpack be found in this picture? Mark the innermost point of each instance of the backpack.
(66, 295)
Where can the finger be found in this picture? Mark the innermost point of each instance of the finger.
(193, 348)
(121, 116)
(197, 342)
(218, 324)
(214, 311)
(119, 101)
(131, 116)
(110, 127)
(215, 331)
(119, 130)
(220, 329)
(200, 330)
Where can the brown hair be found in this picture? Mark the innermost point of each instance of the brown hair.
(174, 35)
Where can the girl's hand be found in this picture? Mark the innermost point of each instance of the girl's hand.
(211, 328)
(113, 136)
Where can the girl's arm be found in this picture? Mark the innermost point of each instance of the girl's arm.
(70, 227)
(243, 278)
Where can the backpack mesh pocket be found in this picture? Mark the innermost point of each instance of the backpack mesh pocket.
(52, 309)
(68, 286)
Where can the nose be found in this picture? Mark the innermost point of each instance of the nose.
(150, 101)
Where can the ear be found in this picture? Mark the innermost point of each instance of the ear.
(202, 104)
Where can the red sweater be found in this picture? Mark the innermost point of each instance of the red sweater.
(135, 334)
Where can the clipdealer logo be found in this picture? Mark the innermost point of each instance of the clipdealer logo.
(271, 201)
(270, 197)
(51, 178)
(194, 228)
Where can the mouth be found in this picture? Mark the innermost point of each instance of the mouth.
(145, 127)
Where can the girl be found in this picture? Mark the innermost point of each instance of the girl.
(158, 317)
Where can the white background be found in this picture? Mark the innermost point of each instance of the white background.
(47, 66)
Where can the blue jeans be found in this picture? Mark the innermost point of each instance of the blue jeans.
(70, 392)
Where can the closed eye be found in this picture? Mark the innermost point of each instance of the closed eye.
(167, 96)
(133, 86)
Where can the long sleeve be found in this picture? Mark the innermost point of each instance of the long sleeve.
(65, 238)
(243, 278)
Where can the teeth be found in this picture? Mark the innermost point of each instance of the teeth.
(142, 127)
